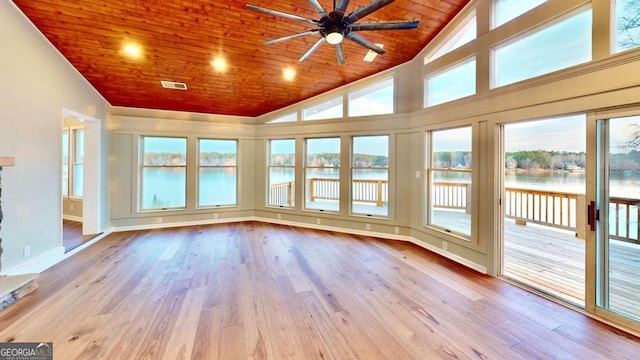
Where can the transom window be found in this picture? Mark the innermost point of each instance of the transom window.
(463, 34)
(627, 23)
(218, 172)
(563, 44)
(374, 99)
(507, 10)
(330, 109)
(453, 83)
(163, 169)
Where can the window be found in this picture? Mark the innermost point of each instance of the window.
(217, 172)
(463, 34)
(556, 47)
(627, 22)
(507, 10)
(322, 174)
(282, 173)
(331, 109)
(72, 161)
(285, 118)
(449, 180)
(454, 83)
(370, 175)
(163, 173)
(374, 99)
(77, 169)
(65, 162)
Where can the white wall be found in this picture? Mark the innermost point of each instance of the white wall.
(37, 83)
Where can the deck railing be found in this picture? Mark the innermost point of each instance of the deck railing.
(550, 208)
(282, 194)
(626, 224)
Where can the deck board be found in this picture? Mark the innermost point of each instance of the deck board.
(553, 261)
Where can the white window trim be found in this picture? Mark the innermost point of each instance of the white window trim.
(142, 166)
(236, 167)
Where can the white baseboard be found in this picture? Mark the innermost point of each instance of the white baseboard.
(460, 260)
(72, 218)
(38, 264)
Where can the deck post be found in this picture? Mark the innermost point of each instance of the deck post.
(291, 192)
(311, 189)
(379, 198)
(467, 191)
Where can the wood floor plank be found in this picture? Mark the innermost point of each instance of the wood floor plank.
(261, 291)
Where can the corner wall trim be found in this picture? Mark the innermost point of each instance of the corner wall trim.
(451, 256)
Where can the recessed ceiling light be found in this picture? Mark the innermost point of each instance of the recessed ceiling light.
(288, 74)
(132, 50)
(372, 54)
(219, 64)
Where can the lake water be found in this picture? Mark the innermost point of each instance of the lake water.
(164, 187)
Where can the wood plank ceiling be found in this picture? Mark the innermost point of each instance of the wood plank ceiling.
(180, 39)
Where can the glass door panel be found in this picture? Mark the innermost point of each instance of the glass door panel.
(618, 202)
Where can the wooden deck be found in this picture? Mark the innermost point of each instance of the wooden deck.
(553, 261)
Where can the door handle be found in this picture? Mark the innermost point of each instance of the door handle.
(592, 215)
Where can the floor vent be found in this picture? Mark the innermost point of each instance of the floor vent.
(173, 85)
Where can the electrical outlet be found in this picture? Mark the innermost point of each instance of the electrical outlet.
(159, 220)
(368, 227)
(279, 216)
(318, 221)
(418, 174)
(27, 251)
(445, 245)
(396, 230)
(215, 216)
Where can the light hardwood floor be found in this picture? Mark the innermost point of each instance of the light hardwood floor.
(72, 235)
(258, 291)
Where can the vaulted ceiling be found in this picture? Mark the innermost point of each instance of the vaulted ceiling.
(179, 40)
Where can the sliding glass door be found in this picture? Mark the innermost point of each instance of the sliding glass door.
(614, 217)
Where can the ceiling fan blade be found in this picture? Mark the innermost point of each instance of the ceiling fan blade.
(340, 53)
(316, 5)
(367, 9)
(404, 25)
(342, 5)
(364, 42)
(282, 14)
(313, 48)
(310, 32)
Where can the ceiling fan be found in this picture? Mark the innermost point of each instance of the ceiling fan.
(335, 26)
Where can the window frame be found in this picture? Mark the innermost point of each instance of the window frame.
(200, 166)
(427, 78)
(74, 151)
(66, 145)
(428, 185)
(307, 167)
(538, 28)
(328, 100)
(448, 44)
(381, 192)
(292, 203)
(142, 166)
(369, 86)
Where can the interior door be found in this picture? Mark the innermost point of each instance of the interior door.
(614, 216)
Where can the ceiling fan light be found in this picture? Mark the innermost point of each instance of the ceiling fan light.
(334, 38)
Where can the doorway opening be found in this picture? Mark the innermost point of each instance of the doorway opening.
(75, 170)
(543, 199)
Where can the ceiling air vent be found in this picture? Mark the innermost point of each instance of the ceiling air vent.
(173, 85)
